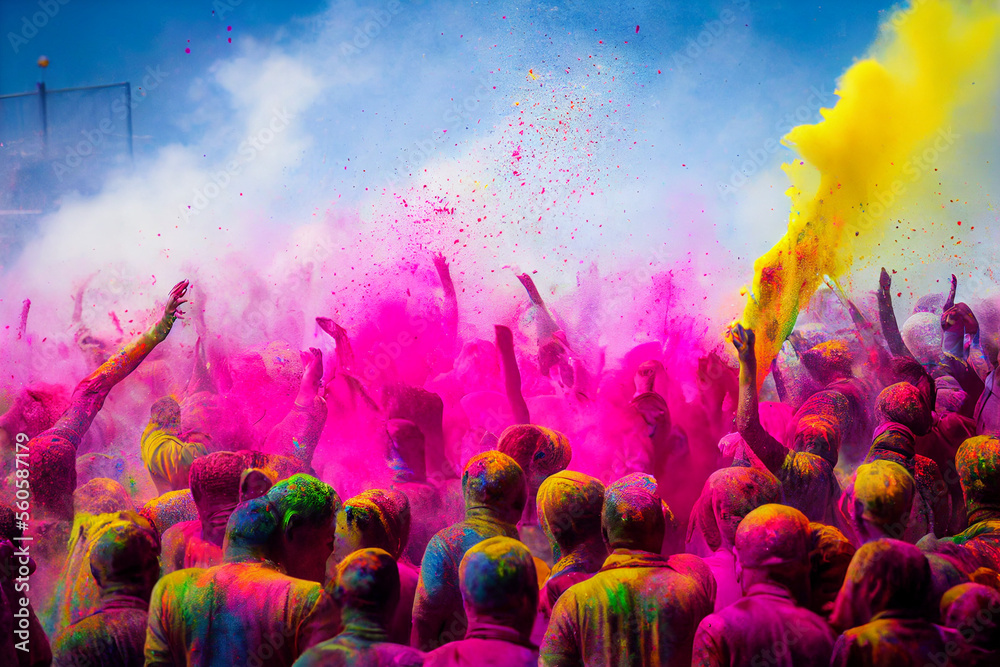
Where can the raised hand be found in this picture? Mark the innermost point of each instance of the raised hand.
(951, 294)
(743, 340)
(884, 280)
(960, 316)
(175, 300)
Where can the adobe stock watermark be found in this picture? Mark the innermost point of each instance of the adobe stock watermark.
(371, 28)
(758, 157)
(94, 138)
(710, 33)
(37, 21)
(247, 151)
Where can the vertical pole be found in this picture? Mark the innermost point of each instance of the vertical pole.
(128, 117)
(45, 117)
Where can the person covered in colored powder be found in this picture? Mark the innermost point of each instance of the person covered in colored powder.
(215, 488)
(882, 609)
(978, 463)
(807, 479)
(247, 610)
(165, 452)
(123, 562)
(641, 608)
(367, 592)
(500, 595)
(569, 509)
(495, 492)
(769, 624)
(52, 453)
(879, 502)
(540, 452)
(731, 494)
(379, 519)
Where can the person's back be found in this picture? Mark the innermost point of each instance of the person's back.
(123, 561)
(245, 611)
(767, 625)
(367, 589)
(495, 493)
(500, 595)
(641, 608)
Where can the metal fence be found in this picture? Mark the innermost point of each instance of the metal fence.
(53, 142)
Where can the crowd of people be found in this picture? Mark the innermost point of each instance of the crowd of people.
(845, 512)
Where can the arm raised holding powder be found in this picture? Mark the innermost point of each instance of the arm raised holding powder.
(771, 452)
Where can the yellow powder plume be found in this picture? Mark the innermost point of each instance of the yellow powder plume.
(866, 156)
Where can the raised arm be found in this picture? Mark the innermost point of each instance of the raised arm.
(511, 375)
(451, 298)
(771, 452)
(887, 317)
(90, 393)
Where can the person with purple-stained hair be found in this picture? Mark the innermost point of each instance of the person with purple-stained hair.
(641, 608)
(500, 594)
(246, 611)
(124, 565)
(770, 623)
(495, 492)
(366, 588)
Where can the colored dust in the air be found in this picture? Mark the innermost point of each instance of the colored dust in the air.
(868, 155)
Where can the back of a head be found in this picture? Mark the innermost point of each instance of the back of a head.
(810, 485)
(817, 436)
(978, 464)
(828, 360)
(102, 496)
(495, 481)
(774, 539)
(538, 450)
(830, 555)
(215, 481)
(773, 536)
(368, 581)
(165, 412)
(251, 530)
(407, 448)
(884, 493)
(315, 502)
(738, 491)
(884, 575)
(53, 464)
(125, 556)
(971, 609)
(634, 516)
(922, 334)
(569, 508)
(376, 519)
(499, 584)
(903, 403)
